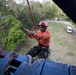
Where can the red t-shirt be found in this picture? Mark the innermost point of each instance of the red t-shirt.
(43, 38)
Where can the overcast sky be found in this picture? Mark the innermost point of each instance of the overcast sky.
(39, 0)
(18, 1)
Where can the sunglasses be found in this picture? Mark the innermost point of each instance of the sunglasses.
(41, 26)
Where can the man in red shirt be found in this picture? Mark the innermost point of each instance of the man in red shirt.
(43, 37)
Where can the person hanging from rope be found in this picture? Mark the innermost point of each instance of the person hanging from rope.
(43, 37)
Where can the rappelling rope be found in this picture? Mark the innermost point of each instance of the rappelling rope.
(32, 17)
(33, 21)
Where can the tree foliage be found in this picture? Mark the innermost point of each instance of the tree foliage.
(14, 35)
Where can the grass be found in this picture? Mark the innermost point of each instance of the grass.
(70, 54)
(63, 45)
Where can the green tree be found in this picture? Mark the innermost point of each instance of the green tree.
(14, 35)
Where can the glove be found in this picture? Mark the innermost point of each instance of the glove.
(26, 30)
(31, 32)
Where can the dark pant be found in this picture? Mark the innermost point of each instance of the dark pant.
(36, 50)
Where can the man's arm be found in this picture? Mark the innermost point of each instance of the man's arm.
(29, 33)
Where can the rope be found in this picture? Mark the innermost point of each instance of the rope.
(33, 21)
(32, 17)
(28, 44)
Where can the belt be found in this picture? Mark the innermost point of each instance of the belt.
(42, 46)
